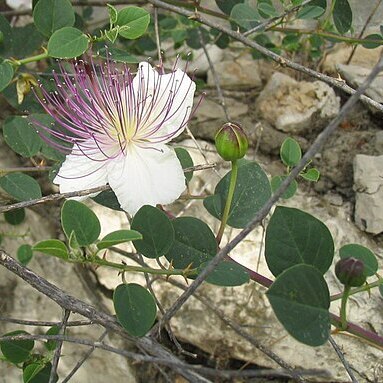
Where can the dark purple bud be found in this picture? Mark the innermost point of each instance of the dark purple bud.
(350, 271)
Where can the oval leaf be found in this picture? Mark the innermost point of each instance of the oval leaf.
(185, 160)
(342, 16)
(6, 74)
(52, 247)
(294, 237)
(67, 43)
(245, 16)
(364, 254)
(78, 218)
(117, 237)
(20, 186)
(156, 229)
(108, 199)
(21, 137)
(135, 308)
(227, 273)
(276, 182)
(251, 192)
(52, 15)
(290, 152)
(134, 22)
(15, 217)
(16, 351)
(194, 243)
(300, 299)
(24, 254)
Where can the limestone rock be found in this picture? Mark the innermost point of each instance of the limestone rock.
(296, 107)
(368, 185)
(236, 73)
(355, 75)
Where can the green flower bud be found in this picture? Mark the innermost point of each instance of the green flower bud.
(350, 271)
(231, 142)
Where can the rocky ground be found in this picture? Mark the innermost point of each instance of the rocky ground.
(270, 104)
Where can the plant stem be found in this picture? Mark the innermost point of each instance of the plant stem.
(225, 215)
(343, 314)
(103, 262)
(366, 287)
(27, 60)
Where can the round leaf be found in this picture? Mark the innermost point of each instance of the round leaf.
(52, 15)
(227, 273)
(372, 41)
(16, 351)
(311, 174)
(15, 217)
(20, 186)
(290, 152)
(42, 375)
(117, 237)
(310, 12)
(135, 308)
(21, 137)
(251, 192)
(134, 21)
(156, 229)
(364, 254)
(6, 74)
(108, 199)
(245, 16)
(276, 182)
(194, 243)
(294, 237)
(52, 247)
(24, 254)
(300, 299)
(78, 218)
(67, 43)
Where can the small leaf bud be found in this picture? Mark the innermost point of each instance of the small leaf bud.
(231, 142)
(350, 271)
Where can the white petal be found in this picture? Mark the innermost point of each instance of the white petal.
(79, 173)
(146, 176)
(168, 101)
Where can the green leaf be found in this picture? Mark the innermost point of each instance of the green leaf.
(266, 9)
(67, 43)
(194, 243)
(118, 55)
(135, 308)
(381, 289)
(108, 199)
(31, 370)
(245, 16)
(251, 192)
(342, 16)
(20, 186)
(136, 19)
(276, 182)
(43, 375)
(6, 45)
(112, 34)
(50, 345)
(15, 217)
(364, 254)
(294, 237)
(311, 175)
(52, 15)
(78, 218)
(186, 161)
(156, 229)
(117, 237)
(226, 6)
(16, 351)
(227, 273)
(290, 152)
(310, 12)
(24, 254)
(300, 299)
(6, 74)
(21, 137)
(372, 44)
(52, 247)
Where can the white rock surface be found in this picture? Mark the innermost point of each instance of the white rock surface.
(368, 185)
(296, 107)
(355, 75)
(248, 305)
